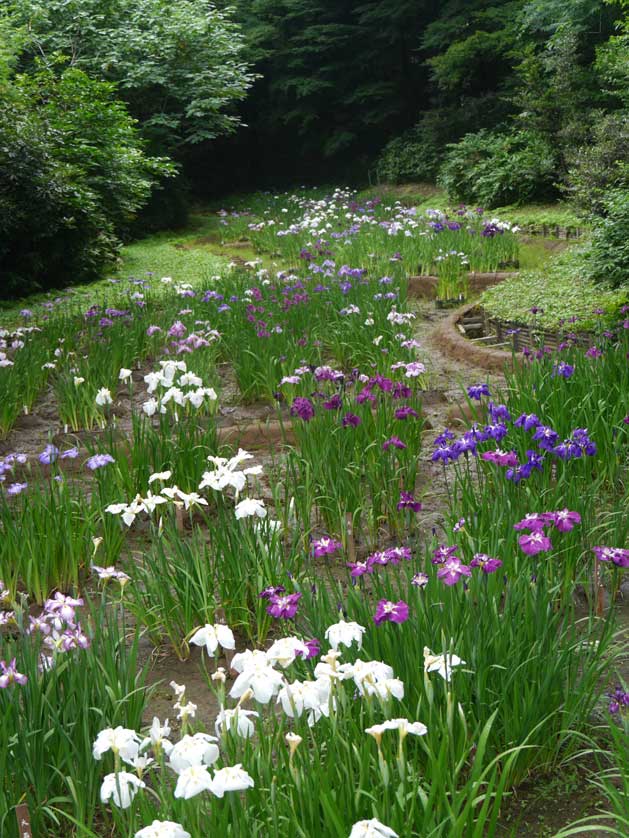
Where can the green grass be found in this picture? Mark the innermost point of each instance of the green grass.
(191, 255)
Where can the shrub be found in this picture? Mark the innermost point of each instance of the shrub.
(599, 166)
(608, 258)
(497, 169)
(413, 156)
(72, 176)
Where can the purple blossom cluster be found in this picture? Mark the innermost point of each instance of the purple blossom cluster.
(7, 469)
(619, 701)
(381, 558)
(449, 449)
(99, 461)
(51, 454)
(451, 566)
(325, 546)
(618, 556)
(58, 627)
(534, 539)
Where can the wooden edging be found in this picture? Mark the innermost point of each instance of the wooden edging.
(460, 348)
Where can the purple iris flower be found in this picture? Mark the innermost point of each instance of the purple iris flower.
(497, 431)
(564, 370)
(617, 555)
(313, 646)
(498, 412)
(528, 421)
(303, 408)
(452, 570)
(593, 352)
(334, 403)
(271, 591)
(486, 563)
(501, 458)
(392, 612)
(405, 413)
(619, 701)
(350, 420)
(283, 606)
(407, 501)
(49, 455)
(16, 488)
(99, 461)
(360, 568)
(443, 553)
(476, 391)
(565, 520)
(535, 542)
(546, 437)
(393, 442)
(10, 675)
(534, 521)
(325, 547)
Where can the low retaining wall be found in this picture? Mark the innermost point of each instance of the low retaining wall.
(531, 337)
(425, 287)
(553, 231)
(450, 341)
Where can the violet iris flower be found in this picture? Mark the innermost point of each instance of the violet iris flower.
(619, 701)
(452, 570)
(443, 553)
(99, 461)
(420, 580)
(350, 420)
(10, 675)
(392, 612)
(325, 547)
(501, 458)
(565, 520)
(16, 488)
(283, 606)
(486, 563)
(393, 442)
(303, 408)
(534, 543)
(405, 413)
(407, 501)
(49, 455)
(271, 591)
(617, 555)
(528, 421)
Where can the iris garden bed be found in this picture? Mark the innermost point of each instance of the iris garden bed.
(368, 674)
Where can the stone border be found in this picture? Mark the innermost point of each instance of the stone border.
(460, 348)
(425, 287)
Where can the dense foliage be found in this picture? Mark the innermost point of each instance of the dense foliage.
(89, 89)
(496, 169)
(502, 101)
(72, 176)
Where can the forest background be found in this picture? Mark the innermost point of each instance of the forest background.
(119, 115)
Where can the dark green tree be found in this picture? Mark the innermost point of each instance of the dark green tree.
(73, 174)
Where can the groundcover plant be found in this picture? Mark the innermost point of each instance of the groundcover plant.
(355, 666)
